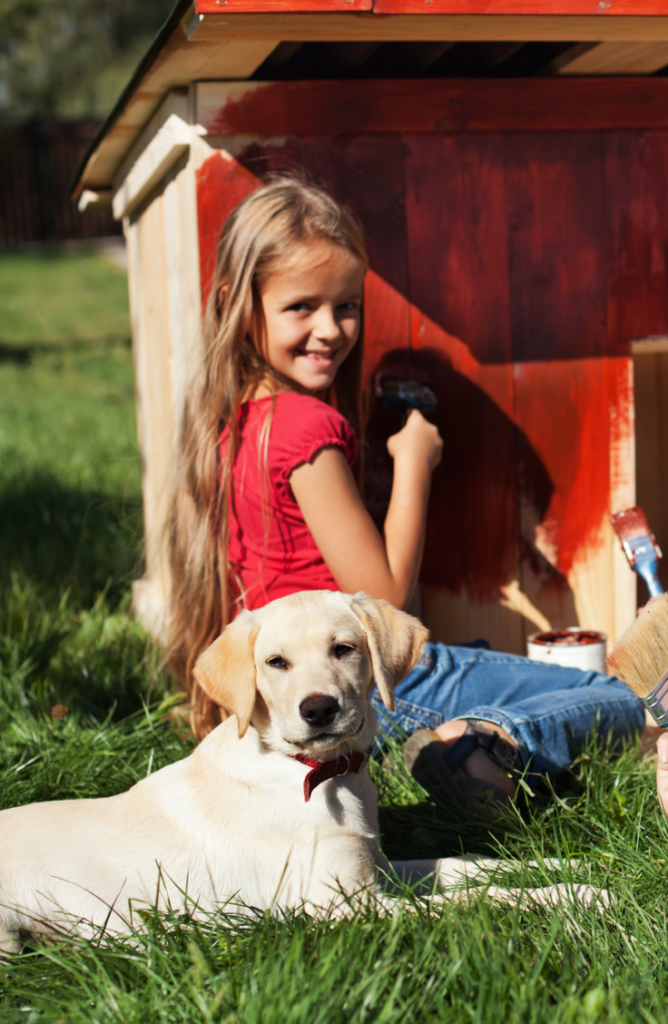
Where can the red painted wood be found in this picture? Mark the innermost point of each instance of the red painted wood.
(221, 184)
(457, 244)
(636, 170)
(279, 6)
(533, 7)
(458, 238)
(558, 258)
(565, 408)
(447, 106)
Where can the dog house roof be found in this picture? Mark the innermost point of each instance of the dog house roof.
(309, 39)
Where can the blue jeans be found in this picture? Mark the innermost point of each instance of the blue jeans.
(547, 709)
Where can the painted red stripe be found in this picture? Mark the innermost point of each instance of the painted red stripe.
(532, 7)
(476, 7)
(449, 106)
(279, 6)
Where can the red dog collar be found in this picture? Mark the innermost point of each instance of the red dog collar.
(351, 764)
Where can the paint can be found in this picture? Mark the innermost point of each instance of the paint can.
(572, 647)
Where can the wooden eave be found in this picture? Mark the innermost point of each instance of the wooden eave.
(227, 40)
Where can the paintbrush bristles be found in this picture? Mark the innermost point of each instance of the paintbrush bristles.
(631, 522)
(640, 657)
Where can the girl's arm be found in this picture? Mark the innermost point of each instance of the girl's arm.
(356, 554)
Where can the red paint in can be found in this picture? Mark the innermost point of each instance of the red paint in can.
(568, 637)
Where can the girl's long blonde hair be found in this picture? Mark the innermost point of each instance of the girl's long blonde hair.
(261, 233)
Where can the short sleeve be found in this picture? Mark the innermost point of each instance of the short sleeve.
(301, 427)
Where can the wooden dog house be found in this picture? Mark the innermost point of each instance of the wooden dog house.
(508, 159)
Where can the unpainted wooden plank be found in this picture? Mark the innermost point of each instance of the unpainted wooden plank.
(649, 346)
(183, 282)
(618, 59)
(175, 102)
(651, 391)
(647, 378)
(662, 463)
(155, 415)
(168, 145)
(622, 484)
(655, 475)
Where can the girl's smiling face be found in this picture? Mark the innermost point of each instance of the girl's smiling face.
(311, 312)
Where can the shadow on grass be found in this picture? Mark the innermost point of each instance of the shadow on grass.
(62, 538)
(97, 664)
(438, 828)
(24, 352)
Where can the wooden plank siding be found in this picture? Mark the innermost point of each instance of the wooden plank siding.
(511, 268)
(165, 309)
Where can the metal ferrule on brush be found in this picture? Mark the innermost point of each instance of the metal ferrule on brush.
(643, 554)
(656, 702)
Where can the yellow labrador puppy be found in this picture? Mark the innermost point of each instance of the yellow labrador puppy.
(233, 820)
(274, 809)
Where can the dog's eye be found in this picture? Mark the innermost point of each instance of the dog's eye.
(340, 650)
(277, 662)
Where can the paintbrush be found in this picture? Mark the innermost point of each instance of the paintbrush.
(640, 658)
(404, 395)
(640, 546)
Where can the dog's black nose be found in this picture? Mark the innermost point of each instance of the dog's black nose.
(319, 709)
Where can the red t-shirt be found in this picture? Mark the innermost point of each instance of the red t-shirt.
(271, 550)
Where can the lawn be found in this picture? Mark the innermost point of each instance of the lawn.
(70, 543)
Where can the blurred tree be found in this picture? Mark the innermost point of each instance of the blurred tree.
(71, 58)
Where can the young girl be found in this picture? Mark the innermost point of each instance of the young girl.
(267, 503)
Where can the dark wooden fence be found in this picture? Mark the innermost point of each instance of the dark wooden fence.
(38, 162)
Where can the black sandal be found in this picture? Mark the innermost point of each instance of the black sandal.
(433, 763)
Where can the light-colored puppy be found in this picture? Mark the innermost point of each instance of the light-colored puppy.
(232, 821)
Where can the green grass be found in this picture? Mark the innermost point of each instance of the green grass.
(70, 491)
(69, 544)
(51, 298)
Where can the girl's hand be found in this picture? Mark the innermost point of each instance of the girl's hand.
(418, 441)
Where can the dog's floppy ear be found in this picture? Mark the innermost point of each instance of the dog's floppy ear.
(395, 642)
(226, 669)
